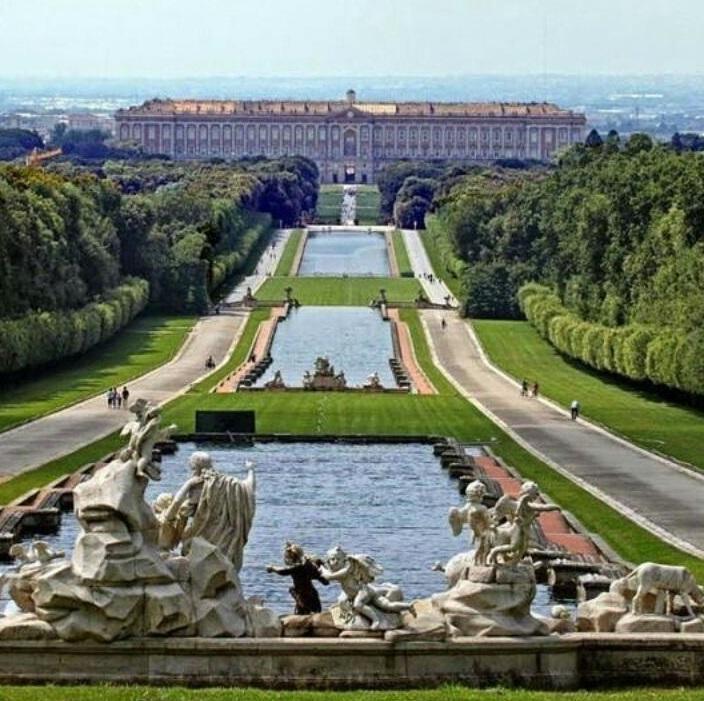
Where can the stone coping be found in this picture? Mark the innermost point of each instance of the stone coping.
(555, 662)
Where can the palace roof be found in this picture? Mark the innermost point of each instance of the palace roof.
(303, 108)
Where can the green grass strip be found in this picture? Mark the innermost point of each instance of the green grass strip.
(340, 291)
(147, 343)
(289, 254)
(402, 259)
(639, 415)
(444, 693)
(431, 238)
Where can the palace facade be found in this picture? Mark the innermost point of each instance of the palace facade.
(349, 140)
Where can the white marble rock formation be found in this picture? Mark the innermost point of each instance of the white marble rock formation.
(124, 579)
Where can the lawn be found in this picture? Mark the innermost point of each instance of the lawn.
(289, 253)
(431, 239)
(354, 291)
(329, 204)
(445, 693)
(368, 203)
(637, 414)
(146, 343)
(404, 263)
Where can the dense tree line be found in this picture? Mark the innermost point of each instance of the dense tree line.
(16, 143)
(664, 355)
(71, 236)
(615, 231)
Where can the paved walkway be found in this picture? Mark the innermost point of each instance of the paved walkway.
(437, 290)
(50, 437)
(267, 266)
(663, 496)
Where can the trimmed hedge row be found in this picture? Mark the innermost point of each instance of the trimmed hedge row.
(664, 356)
(44, 337)
(228, 263)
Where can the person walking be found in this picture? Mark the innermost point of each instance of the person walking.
(574, 409)
(524, 388)
(536, 389)
(125, 396)
(108, 396)
(443, 323)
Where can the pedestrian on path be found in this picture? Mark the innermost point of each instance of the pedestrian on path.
(125, 396)
(524, 388)
(109, 398)
(443, 323)
(536, 390)
(574, 409)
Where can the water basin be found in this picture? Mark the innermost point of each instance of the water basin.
(345, 253)
(388, 501)
(356, 340)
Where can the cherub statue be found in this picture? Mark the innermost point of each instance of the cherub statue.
(355, 574)
(144, 433)
(303, 569)
(516, 534)
(479, 519)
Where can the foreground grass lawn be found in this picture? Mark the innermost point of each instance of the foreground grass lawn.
(446, 693)
(404, 263)
(289, 254)
(353, 291)
(145, 344)
(639, 415)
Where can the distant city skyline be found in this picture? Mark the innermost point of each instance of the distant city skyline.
(310, 38)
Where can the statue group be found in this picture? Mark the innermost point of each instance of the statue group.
(171, 568)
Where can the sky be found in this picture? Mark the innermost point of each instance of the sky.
(308, 38)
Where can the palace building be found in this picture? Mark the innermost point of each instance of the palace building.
(349, 140)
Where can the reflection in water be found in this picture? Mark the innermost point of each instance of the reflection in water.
(389, 501)
(345, 253)
(355, 339)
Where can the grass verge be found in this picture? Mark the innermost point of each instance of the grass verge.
(637, 414)
(289, 254)
(350, 291)
(438, 249)
(147, 343)
(402, 259)
(444, 693)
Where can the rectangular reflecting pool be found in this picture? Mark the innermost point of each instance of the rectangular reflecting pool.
(345, 253)
(387, 501)
(356, 340)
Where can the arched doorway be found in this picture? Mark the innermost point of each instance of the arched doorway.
(350, 173)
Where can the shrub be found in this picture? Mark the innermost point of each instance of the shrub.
(667, 357)
(40, 338)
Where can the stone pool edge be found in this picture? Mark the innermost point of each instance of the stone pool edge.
(568, 662)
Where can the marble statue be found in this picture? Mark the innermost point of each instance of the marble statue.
(276, 382)
(513, 539)
(363, 604)
(140, 571)
(324, 376)
(479, 519)
(303, 570)
(664, 582)
(373, 382)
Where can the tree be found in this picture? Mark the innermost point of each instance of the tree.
(593, 139)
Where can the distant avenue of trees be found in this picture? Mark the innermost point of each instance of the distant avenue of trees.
(85, 248)
(614, 234)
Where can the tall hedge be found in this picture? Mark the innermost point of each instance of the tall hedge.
(40, 338)
(664, 356)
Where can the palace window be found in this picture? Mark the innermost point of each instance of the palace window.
(402, 134)
(350, 143)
